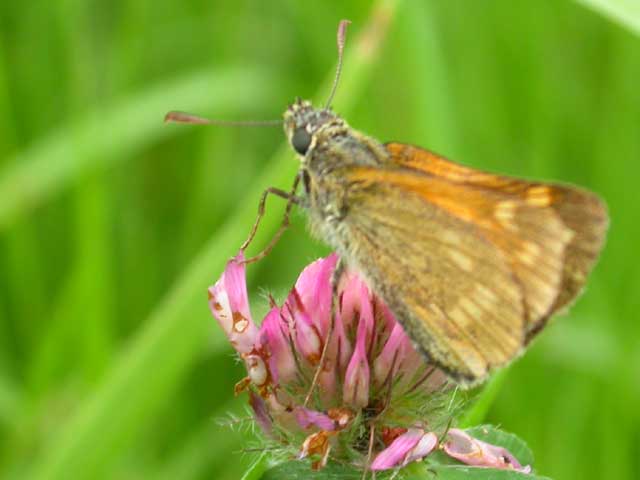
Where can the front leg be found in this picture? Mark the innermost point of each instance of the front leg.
(291, 200)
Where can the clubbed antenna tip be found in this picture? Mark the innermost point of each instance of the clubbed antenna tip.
(183, 117)
(342, 36)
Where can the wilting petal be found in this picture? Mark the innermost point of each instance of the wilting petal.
(307, 418)
(316, 443)
(260, 412)
(341, 417)
(229, 304)
(256, 369)
(472, 451)
(273, 339)
(410, 446)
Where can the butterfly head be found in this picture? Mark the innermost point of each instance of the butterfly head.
(306, 126)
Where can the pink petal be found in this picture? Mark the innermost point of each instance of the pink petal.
(472, 451)
(308, 307)
(366, 322)
(306, 338)
(425, 446)
(387, 315)
(314, 290)
(230, 306)
(344, 350)
(393, 353)
(350, 290)
(408, 447)
(307, 418)
(274, 339)
(356, 381)
(337, 358)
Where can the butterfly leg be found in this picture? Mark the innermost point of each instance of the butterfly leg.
(291, 200)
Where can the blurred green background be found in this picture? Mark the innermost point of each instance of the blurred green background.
(112, 224)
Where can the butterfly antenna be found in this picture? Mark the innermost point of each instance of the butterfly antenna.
(342, 35)
(183, 117)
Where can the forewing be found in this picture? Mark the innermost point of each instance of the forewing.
(450, 286)
(578, 220)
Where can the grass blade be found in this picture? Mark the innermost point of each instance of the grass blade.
(102, 137)
(624, 12)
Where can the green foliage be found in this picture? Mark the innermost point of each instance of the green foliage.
(300, 471)
(112, 224)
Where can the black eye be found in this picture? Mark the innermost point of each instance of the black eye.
(301, 140)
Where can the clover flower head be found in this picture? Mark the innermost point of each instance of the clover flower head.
(332, 373)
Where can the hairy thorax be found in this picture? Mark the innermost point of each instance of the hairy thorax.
(326, 180)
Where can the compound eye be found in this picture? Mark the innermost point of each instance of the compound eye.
(301, 140)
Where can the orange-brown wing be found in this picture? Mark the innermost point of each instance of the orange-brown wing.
(471, 269)
(582, 213)
(449, 286)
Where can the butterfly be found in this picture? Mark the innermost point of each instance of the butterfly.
(472, 264)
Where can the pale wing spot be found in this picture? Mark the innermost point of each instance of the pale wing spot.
(529, 253)
(461, 318)
(539, 196)
(461, 260)
(557, 235)
(540, 190)
(485, 298)
(471, 308)
(451, 237)
(567, 234)
(540, 293)
(505, 213)
(486, 293)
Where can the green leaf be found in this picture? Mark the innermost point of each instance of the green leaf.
(438, 466)
(301, 470)
(624, 12)
(461, 472)
(257, 468)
